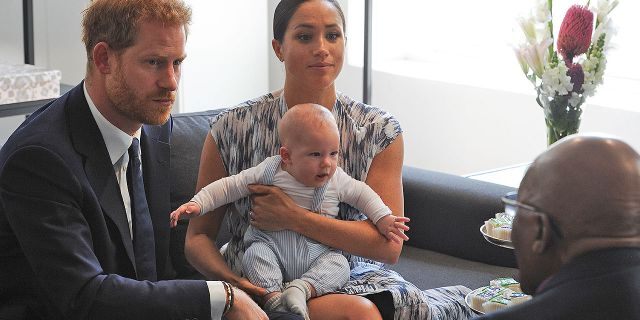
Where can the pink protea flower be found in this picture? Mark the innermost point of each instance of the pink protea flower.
(576, 74)
(574, 37)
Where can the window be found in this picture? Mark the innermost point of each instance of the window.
(470, 42)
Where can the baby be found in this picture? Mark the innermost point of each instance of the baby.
(305, 169)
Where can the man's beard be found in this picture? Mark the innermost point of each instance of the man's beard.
(135, 107)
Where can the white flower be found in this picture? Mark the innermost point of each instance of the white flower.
(556, 81)
(536, 56)
(543, 32)
(603, 8)
(605, 27)
(588, 89)
(575, 99)
(589, 64)
(599, 76)
(580, 59)
(534, 53)
(535, 27)
(528, 26)
(593, 69)
(542, 12)
(520, 55)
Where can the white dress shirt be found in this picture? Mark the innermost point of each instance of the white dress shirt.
(118, 143)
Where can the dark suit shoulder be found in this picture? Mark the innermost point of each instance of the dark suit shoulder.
(47, 127)
(36, 171)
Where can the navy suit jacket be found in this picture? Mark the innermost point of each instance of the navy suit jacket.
(65, 246)
(598, 285)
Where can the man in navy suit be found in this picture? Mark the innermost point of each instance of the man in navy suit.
(68, 219)
(576, 232)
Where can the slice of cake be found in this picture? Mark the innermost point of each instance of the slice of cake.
(495, 303)
(510, 283)
(502, 233)
(500, 226)
(505, 299)
(501, 293)
(517, 297)
(484, 294)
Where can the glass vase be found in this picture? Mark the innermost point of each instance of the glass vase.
(561, 117)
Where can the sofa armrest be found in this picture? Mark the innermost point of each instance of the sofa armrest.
(447, 211)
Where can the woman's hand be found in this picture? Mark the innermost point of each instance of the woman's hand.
(272, 209)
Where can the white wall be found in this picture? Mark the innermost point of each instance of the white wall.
(7, 126)
(57, 42)
(227, 54)
(276, 69)
(11, 32)
(10, 52)
(56, 32)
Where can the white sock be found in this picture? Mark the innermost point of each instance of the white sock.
(295, 296)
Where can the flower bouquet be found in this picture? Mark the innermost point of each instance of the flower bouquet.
(566, 74)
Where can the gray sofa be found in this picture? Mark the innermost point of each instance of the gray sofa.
(446, 211)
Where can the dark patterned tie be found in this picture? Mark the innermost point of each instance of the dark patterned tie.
(143, 240)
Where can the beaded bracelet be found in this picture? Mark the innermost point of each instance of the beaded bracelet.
(225, 285)
(229, 297)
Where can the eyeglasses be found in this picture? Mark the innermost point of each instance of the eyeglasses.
(511, 206)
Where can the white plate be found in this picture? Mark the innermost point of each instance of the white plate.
(467, 300)
(494, 240)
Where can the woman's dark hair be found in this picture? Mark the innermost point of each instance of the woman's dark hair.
(286, 9)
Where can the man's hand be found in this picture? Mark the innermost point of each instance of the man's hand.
(244, 308)
(248, 287)
(393, 228)
(189, 209)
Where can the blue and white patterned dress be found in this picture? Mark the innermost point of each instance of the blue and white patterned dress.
(247, 134)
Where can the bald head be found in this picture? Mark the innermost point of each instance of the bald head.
(590, 187)
(303, 118)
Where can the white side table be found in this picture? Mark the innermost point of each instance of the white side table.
(508, 176)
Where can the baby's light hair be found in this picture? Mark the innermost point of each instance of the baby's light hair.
(301, 118)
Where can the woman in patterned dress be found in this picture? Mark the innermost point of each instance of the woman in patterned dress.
(309, 39)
